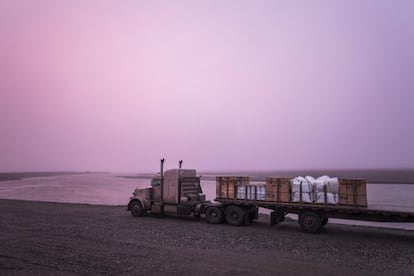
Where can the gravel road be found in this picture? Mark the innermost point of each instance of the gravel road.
(58, 238)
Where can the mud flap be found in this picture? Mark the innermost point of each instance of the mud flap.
(276, 217)
(272, 218)
(247, 218)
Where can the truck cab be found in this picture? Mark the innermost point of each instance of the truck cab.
(176, 192)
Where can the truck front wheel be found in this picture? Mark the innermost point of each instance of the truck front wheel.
(235, 215)
(136, 209)
(214, 215)
(310, 222)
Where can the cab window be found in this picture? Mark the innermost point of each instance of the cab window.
(155, 182)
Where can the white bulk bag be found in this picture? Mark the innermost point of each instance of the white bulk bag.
(323, 177)
(306, 197)
(310, 179)
(330, 198)
(296, 182)
(332, 185)
(319, 185)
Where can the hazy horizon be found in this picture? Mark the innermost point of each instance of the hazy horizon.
(156, 170)
(224, 85)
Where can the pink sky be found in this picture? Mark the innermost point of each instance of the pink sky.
(116, 85)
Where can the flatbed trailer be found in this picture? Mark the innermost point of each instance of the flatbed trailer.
(312, 217)
(178, 193)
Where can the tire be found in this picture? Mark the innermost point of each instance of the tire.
(214, 215)
(324, 221)
(235, 215)
(310, 222)
(136, 209)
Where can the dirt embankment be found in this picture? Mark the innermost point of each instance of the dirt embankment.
(56, 238)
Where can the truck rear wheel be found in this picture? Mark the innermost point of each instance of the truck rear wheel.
(324, 221)
(214, 215)
(136, 209)
(310, 222)
(235, 215)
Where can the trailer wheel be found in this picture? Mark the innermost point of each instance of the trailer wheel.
(136, 209)
(324, 221)
(310, 222)
(214, 215)
(235, 215)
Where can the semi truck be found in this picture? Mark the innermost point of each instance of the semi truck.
(177, 192)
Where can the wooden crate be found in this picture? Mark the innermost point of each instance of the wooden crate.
(226, 185)
(353, 192)
(277, 189)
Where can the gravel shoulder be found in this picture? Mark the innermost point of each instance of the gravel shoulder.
(59, 238)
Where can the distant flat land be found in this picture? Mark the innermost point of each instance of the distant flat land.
(21, 175)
